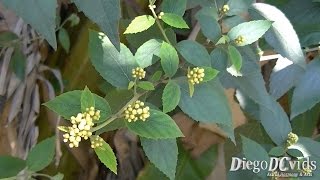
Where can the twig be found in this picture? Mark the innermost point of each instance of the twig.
(194, 33)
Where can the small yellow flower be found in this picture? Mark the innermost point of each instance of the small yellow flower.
(136, 111)
(152, 6)
(239, 40)
(225, 8)
(196, 75)
(138, 73)
(160, 15)
(96, 141)
(81, 126)
(292, 139)
(306, 170)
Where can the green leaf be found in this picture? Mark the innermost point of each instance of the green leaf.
(307, 91)
(148, 53)
(191, 89)
(10, 166)
(309, 146)
(43, 20)
(174, 20)
(68, 104)
(167, 161)
(238, 6)
(18, 63)
(158, 126)
(87, 99)
(277, 151)
(196, 168)
(41, 155)
(251, 31)
(118, 98)
(169, 59)
(235, 57)
(7, 37)
(219, 59)
(194, 53)
(286, 76)
(207, 17)
(113, 66)
(208, 103)
(281, 36)
(177, 7)
(156, 76)
(58, 176)
(171, 96)
(295, 153)
(305, 123)
(210, 74)
(106, 13)
(131, 84)
(254, 151)
(114, 125)
(64, 39)
(146, 85)
(107, 157)
(139, 24)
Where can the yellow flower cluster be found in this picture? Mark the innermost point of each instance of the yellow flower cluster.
(239, 40)
(138, 73)
(152, 6)
(96, 141)
(306, 171)
(196, 75)
(292, 139)
(136, 111)
(81, 126)
(225, 8)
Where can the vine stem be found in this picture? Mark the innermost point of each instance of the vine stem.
(42, 175)
(159, 24)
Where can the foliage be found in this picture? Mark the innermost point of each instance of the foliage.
(150, 70)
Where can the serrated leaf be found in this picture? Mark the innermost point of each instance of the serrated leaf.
(208, 103)
(139, 24)
(235, 57)
(113, 66)
(158, 126)
(305, 123)
(146, 85)
(148, 53)
(174, 20)
(41, 155)
(18, 63)
(168, 149)
(171, 96)
(106, 13)
(238, 6)
(10, 166)
(68, 104)
(284, 76)
(169, 59)
(277, 151)
(107, 156)
(194, 53)
(43, 20)
(254, 151)
(207, 17)
(176, 7)
(210, 74)
(251, 31)
(156, 76)
(281, 36)
(307, 92)
(87, 99)
(64, 39)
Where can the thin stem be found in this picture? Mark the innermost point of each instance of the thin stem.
(159, 25)
(135, 87)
